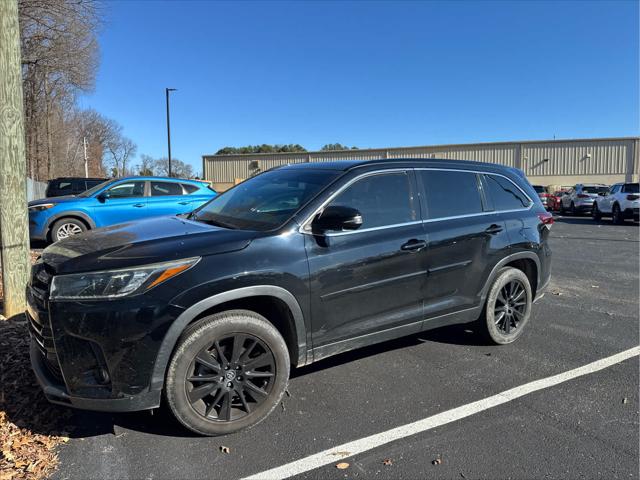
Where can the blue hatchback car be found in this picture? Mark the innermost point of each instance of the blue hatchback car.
(115, 201)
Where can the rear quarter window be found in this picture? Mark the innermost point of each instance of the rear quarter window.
(190, 188)
(504, 194)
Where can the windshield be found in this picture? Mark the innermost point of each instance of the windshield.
(266, 201)
(539, 189)
(594, 189)
(91, 191)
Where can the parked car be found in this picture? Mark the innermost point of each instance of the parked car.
(553, 201)
(579, 199)
(620, 202)
(543, 194)
(115, 201)
(70, 185)
(291, 266)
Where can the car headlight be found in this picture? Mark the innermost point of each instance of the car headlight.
(40, 208)
(112, 284)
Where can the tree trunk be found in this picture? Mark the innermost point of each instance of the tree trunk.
(14, 234)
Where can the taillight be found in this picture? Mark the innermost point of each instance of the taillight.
(546, 218)
(633, 197)
(583, 195)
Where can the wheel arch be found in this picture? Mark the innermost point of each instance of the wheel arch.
(528, 262)
(75, 214)
(259, 298)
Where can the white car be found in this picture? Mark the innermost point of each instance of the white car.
(620, 202)
(580, 198)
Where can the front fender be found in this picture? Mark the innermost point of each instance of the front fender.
(186, 317)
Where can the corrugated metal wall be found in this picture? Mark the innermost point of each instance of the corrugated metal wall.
(551, 159)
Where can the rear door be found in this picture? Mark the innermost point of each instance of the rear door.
(465, 239)
(167, 198)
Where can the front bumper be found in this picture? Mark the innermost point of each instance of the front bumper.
(98, 355)
(56, 392)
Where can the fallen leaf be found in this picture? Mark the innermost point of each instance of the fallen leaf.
(342, 465)
(595, 286)
(224, 449)
(387, 461)
(625, 400)
(437, 461)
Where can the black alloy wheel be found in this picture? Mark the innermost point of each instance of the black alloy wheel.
(616, 215)
(510, 306)
(230, 378)
(227, 373)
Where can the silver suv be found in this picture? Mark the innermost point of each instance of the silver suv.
(580, 198)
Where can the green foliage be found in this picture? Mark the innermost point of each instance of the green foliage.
(336, 146)
(264, 148)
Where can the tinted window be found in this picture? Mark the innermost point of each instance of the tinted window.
(383, 199)
(614, 189)
(450, 193)
(265, 201)
(93, 183)
(631, 188)
(504, 194)
(127, 189)
(190, 188)
(63, 186)
(594, 189)
(539, 189)
(159, 189)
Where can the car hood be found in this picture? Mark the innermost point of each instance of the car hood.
(62, 199)
(143, 242)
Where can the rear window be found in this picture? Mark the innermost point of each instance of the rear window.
(594, 189)
(631, 188)
(159, 189)
(539, 189)
(450, 193)
(504, 194)
(190, 188)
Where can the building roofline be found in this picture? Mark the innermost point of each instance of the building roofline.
(213, 156)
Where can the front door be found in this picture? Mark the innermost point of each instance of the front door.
(371, 279)
(167, 198)
(124, 202)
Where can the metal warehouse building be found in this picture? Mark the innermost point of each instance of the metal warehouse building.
(546, 162)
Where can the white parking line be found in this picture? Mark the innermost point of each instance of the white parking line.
(367, 443)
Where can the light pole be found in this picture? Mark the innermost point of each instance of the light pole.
(167, 90)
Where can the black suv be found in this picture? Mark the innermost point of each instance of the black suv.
(58, 187)
(296, 264)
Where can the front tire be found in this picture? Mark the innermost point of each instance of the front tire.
(67, 227)
(508, 307)
(228, 373)
(573, 210)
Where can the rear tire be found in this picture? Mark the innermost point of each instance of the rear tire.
(595, 213)
(616, 215)
(243, 363)
(562, 209)
(573, 209)
(508, 307)
(67, 227)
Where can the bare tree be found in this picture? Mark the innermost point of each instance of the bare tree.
(179, 169)
(60, 58)
(146, 165)
(120, 150)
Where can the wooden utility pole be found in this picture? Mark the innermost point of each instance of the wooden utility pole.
(14, 233)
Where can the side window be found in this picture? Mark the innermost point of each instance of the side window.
(383, 199)
(127, 189)
(449, 193)
(630, 188)
(159, 189)
(504, 194)
(66, 187)
(190, 188)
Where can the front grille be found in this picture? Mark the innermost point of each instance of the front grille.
(41, 329)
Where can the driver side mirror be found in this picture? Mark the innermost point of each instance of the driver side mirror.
(103, 196)
(337, 218)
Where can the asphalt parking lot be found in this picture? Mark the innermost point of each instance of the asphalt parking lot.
(586, 427)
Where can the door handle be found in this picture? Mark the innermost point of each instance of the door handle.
(413, 245)
(493, 229)
(183, 203)
(138, 205)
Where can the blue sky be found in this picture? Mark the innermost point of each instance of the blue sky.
(370, 74)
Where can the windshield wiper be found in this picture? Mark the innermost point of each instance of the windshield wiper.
(215, 223)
